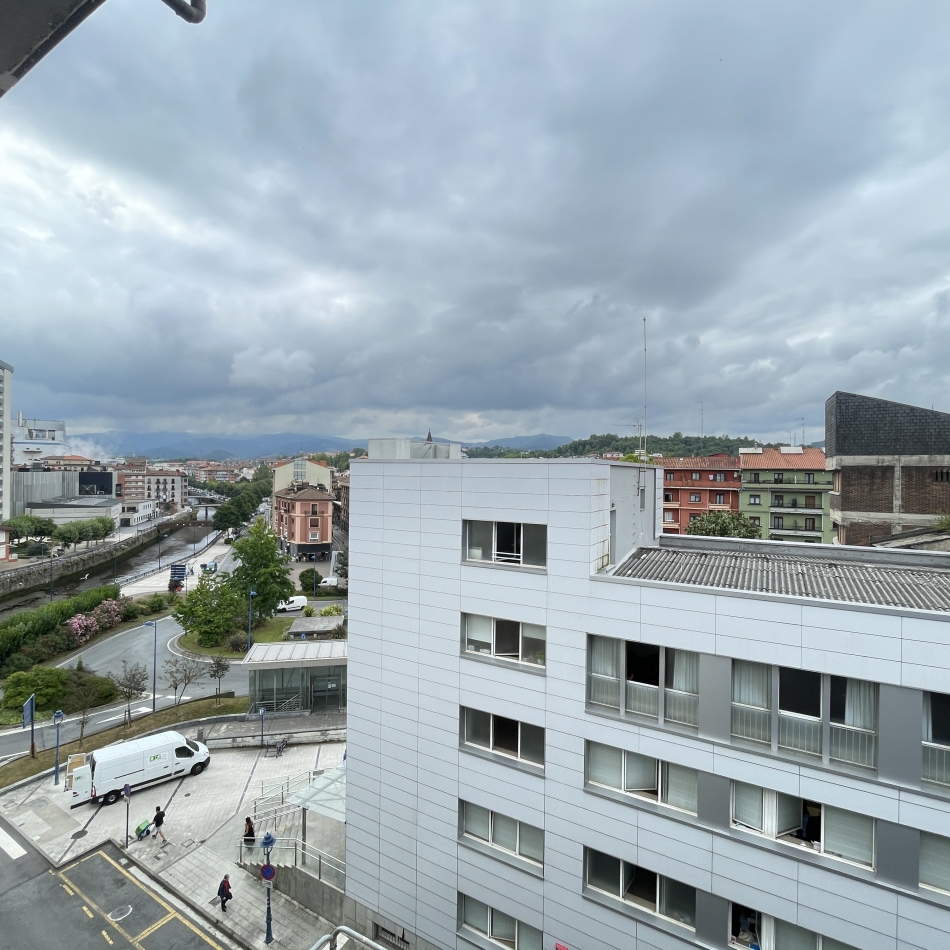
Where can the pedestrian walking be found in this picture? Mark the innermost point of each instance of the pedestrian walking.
(249, 835)
(157, 823)
(224, 892)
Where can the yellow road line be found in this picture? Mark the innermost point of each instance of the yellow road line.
(65, 887)
(172, 913)
(87, 910)
(100, 912)
(108, 938)
(158, 923)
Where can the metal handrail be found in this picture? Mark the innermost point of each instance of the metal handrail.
(330, 940)
(314, 861)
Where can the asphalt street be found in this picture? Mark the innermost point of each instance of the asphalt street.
(93, 903)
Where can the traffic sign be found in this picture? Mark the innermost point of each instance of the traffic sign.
(268, 885)
(127, 791)
(268, 872)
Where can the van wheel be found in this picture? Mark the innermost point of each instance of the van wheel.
(198, 769)
(111, 798)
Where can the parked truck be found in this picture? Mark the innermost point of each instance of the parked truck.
(100, 776)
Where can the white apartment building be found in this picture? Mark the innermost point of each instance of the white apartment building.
(6, 380)
(568, 733)
(34, 440)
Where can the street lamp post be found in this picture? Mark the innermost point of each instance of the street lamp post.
(58, 718)
(267, 844)
(51, 571)
(154, 625)
(251, 594)
(263, 713)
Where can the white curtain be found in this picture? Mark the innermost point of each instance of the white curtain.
(935, 860)
(747, 805)
(605, 765)
(685, 670)
(928, 731)
(860, 707)
(641, 773)
(751, 683)
(605, 656)
(679, 787)
(849, 835)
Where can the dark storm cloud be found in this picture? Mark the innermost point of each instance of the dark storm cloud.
(371, 217)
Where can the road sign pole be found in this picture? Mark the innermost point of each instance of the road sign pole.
(127, 794)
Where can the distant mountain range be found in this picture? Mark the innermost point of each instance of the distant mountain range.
(176, 445)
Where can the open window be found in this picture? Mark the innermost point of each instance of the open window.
(505, 639)
(506, 542)
(799, 704)
(643, 679)
(642, 776)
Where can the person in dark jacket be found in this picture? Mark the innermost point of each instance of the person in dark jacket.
(224, 892)
(157, 823)
(249, 836)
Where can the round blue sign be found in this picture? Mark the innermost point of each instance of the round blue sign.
(268, 872)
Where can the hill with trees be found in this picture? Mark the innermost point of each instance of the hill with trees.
(676, 445)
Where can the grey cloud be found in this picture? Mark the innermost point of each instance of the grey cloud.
(459, 214)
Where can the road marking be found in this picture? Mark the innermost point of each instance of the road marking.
(67, 889)
(108, 938)
(86, 909)
(148, 931)
(12, 849)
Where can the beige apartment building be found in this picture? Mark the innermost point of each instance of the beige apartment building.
(301, 471)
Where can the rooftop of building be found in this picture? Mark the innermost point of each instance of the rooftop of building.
(296, 653)
(699, 462)
(305, 492)
(799, 457)
(882, 577)
(77, 501)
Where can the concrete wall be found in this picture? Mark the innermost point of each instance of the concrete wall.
(407, 681)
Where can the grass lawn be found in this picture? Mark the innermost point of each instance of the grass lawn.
(270, 631)
(197, 709)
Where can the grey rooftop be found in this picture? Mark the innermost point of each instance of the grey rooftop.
(858, 576)
(296, 653)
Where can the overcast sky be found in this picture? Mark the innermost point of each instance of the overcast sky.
(360, 218)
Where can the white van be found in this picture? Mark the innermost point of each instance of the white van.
(330, 582)
(295, 603)
(100, 776)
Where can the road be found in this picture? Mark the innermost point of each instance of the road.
(94, 903)
(135, 645)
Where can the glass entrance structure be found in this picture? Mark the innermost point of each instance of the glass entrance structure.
(308, 676)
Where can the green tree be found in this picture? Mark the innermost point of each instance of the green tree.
(131, 684)
(68, 534)
(309, 580)
(263, 569)
(342, 566)
(48, 683)
(226, 516)
(212, 610)
(263, 474)
(724, 524)
(218, 668)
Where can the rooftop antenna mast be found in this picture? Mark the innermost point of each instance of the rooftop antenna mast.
(801, 419)
(643, 441)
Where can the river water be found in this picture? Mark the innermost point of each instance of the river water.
(174, 547)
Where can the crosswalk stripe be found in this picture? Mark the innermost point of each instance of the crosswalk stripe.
(12, 849)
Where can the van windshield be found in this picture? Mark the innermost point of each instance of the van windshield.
(192, 745)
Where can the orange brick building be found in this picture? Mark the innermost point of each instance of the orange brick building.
(694, 486)
(303, 521)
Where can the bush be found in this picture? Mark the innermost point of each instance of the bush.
(309, 611)
(49, 686)
(130, 609)
(237, 643)
(153, 603)
(331, 610)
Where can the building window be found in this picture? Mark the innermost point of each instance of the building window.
(936, 738)
(778, 521)
(935, 861)
(720, 498)
(810, 501)
(809, 478)
(668, 497)
(804, 823)
(505, 639)
(498, 927)
(718, 477)
(695, 476)
(669, 516)
(603, 672)
(778, 478)
(695, 517)
(799, 704)
(506, 542)
(751, 701)
(809, 524)
(756, 520)
(640, 887)
(753, 478)
(695, 497)
(669, 476)
(500, 831)
(755, 499)
(518, 740)
(643, 776)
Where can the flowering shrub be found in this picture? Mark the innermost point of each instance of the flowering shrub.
(108, 614)
(83, 626)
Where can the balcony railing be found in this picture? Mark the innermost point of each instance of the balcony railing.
(854, 746)
(751, 722)
(799, 734)
(937, 763)
(643, 699)
(604, 691)
(681, 707)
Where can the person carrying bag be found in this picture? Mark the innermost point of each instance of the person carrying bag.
(224, 892)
